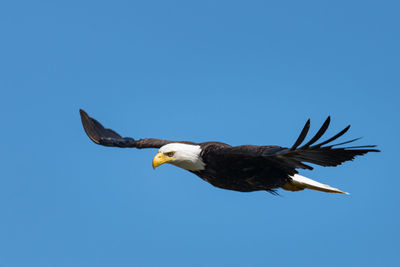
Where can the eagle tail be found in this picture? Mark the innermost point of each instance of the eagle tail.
(299, 182)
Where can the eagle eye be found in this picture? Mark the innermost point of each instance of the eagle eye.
(170, 154)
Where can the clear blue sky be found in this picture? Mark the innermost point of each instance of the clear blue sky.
(242, 72)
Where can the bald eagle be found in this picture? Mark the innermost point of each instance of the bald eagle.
(244, 168)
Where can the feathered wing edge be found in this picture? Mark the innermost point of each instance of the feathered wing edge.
(107, 137)
(321, 155)
(103, 136)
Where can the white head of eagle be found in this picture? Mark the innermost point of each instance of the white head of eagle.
(184, 156)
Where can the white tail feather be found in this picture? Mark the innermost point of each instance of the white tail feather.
(299, 182)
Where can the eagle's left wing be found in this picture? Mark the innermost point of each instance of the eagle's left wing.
(296, 156)
(322, 154)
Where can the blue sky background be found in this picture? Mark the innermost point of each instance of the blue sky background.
(242, 72)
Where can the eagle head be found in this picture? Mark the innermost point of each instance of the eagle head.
(185, 156)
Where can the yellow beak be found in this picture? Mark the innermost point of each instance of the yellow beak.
(160, 159)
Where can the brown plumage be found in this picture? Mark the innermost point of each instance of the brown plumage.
(247, 168)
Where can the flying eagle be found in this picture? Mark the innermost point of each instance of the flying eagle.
(243, 168)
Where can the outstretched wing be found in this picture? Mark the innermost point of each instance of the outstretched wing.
(107, 137)
(323, 154)
(295, 157)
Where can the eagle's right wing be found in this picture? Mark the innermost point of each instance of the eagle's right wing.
(107, 137)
